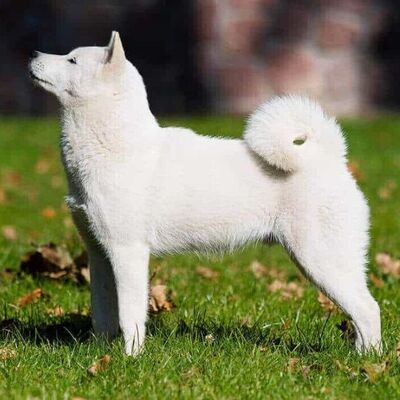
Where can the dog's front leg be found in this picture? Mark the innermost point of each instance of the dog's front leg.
(130, 266)
(103, 293)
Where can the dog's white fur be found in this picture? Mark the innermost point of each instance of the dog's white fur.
(136, 189)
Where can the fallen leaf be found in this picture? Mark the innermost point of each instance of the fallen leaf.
(6, 353)
(9, 232)
(327, 304)
(292, 364)
(42, 166)
(99, 365)
(374, 371)
(386, 191)
(388, 265)
(55, 262)
(82, 267)
(206, 272)
(160, 299)
(3, 196)
(306, 369)
(259, 270)
(49, 260)
(378, 282)
(49, 212)
(354, 168)
(56, 311)
(398, 352)
(11, 177)
(30, 297)
(287, 290)
(85, 273)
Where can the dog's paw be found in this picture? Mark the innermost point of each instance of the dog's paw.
(133, 349)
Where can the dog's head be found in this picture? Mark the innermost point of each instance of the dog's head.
(84, 73)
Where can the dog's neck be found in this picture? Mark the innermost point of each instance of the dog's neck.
(103, 128)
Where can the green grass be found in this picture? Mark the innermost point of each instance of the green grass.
(255, 332)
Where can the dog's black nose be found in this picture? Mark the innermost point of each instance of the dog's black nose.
(34, 54)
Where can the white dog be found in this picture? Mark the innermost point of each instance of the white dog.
(137, 189)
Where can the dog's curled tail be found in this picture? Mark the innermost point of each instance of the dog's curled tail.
(293, 132)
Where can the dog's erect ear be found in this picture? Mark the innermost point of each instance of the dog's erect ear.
(115, 58)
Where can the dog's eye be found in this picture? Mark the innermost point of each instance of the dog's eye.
(72, 60)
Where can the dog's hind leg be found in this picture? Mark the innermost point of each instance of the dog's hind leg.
(337, 269)
(130, 266)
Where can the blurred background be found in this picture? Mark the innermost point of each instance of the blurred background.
(222, 56)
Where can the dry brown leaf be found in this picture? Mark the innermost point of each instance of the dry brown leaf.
(378, 282)
(206, 272)
(259, 270)
(99, 365)
(82, 267)
(30, 297)
(374, 371)
(49, 260)
(3, 196)
(85, 273)
(397, 350)
(388, 265)
(160, 299)
(49, 212)
(306, 369)
(354, 168)
(327, 304)
(56, 311)
(42, 166)
(6, 353)
(55, 262)
(11, 177)
(292, 364)
(9, 232)
(277, 274)
(386, 191)
(288, 290)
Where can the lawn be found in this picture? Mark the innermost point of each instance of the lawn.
(231, 335)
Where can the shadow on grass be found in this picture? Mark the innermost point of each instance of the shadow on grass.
(278, 337)
(69, 329)
(76, 328)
